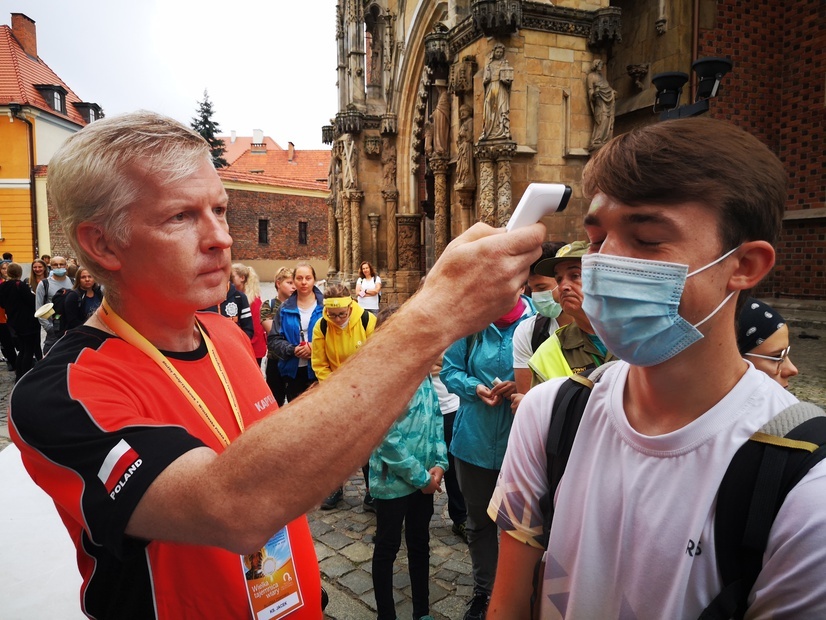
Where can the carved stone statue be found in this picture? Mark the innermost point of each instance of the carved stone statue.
(465, 177)
(440, 117)
(349, 162)
(498, 77)
(428, 138)
(602, 99)
(388, 163)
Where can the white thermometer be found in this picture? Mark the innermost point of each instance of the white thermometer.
(539, 200)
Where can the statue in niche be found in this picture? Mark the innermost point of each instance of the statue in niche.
(428, 138)
(440, 119)
(602, 99)
(349, 161)
(498, 77)
(388, 164)
(465, 177)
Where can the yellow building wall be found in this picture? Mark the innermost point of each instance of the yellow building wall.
(15, 202)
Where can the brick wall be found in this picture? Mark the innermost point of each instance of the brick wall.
(284, 213)
(776, 92)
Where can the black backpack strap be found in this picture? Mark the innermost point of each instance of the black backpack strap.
(323, 322)
(756, 483)
(541, 331)
(365, 319)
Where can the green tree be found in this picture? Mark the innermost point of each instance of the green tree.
(204, 125)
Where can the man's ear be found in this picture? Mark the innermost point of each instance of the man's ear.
(754, 260)
(98, 246)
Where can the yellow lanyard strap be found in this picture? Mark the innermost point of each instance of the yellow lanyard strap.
(129, 334)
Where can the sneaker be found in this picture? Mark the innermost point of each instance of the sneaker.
(460, 530)
(333, 500)
(368, 504)
(478, 606)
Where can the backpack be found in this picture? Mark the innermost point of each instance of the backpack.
(365, 320)
(758, 478)
(541, 331)
(58, 307)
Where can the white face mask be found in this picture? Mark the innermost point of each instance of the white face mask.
(545, 303)
(633, 304)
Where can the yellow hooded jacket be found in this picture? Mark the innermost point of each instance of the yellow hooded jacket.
(331, 350)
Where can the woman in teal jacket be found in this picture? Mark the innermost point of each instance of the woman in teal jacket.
(405, 470)
(479, 370)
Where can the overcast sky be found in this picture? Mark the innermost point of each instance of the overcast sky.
(267, 64)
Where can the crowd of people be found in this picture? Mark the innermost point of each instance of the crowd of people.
(214, 469)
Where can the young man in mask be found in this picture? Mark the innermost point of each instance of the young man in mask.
(684, 216)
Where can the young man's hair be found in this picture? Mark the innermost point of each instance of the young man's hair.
(696, 160)
(283, 273)
(14, 271)
(96, 175)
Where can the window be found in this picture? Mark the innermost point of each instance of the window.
(302, 233)
(58, 101)
(263, 231)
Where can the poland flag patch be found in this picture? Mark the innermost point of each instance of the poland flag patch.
(118, 466)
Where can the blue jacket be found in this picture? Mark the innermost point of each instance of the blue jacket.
(286, 334)
(413, 445)
(480, 432)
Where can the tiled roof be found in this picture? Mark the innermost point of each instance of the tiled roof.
(234, 150)
(308, 168)
(19, 72)
(228, 174)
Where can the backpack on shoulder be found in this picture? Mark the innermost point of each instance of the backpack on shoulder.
(760, 475)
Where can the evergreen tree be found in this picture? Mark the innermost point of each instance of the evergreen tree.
(209, 129)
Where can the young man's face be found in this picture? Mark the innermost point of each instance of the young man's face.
(178, 255)
(686, 233)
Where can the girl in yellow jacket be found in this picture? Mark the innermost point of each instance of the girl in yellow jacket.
(343, 328)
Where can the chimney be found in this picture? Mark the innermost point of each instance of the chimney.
(233, 135)
(290, 151)
(258, 136)
(25, 32)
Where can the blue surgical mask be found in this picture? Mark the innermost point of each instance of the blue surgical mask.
(545, 304)
(59, 272)
(633, 304)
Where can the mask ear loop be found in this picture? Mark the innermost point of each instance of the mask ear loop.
(717, 309)
(729, 296)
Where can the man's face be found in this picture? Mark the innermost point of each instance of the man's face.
(686, 233)
(58, 262)
(569, 279)
(178, 258)
(540, 283)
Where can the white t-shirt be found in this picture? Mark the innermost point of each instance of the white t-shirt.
(306, 314)
(522, 336)
(448, 402)
(633, 531)
(369, 302)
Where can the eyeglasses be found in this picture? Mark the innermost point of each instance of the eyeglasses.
(784, 355)
(338, 315)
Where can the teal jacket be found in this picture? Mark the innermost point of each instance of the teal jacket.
(480, 432)
(413, 445)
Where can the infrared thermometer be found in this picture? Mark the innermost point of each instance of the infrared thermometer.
(539, 200)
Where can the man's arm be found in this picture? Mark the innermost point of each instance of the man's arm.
(320, 438)
(515, 571)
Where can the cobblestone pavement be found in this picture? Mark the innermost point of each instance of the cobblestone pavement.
(344, 536)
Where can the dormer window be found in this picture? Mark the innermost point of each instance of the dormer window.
(89, 111)
(54, 95)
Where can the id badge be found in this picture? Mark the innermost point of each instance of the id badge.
(272, 583)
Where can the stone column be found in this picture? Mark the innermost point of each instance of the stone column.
(355, 199)
(391, 199)
(465, 198)
(503, 190)
(374, 233)
(487, 188)
(439, 165)
(347, 250)
(332, 238)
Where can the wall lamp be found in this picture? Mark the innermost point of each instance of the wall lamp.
(669, 85)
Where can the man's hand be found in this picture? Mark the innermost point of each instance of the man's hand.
(462, 273)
